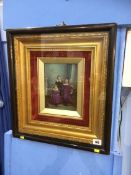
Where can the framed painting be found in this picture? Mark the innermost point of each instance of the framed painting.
(61, 81)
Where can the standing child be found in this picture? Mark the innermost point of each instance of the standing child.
(67, 92)
(59, 83)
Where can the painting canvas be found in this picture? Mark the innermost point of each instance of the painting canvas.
(61, 86)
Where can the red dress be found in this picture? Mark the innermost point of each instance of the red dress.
(55, 97)
(67, 94)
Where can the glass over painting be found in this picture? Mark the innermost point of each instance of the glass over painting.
(61, 86)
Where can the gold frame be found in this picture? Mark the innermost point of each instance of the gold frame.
(98, 49)
(98, 44)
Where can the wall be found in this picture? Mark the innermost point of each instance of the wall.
(34, 13)
(3, 36)
(0, 14)
(5, 118)
(27, 157)
(36, 158)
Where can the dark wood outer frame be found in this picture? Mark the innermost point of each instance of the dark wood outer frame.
(111, 29)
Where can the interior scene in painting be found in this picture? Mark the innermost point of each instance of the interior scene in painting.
(61, 86)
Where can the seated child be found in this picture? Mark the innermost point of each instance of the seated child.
(55, 98)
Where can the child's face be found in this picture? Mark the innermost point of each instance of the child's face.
(55, 87)
(59, 78)
(66, 81)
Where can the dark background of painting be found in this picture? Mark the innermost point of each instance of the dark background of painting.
(64, 70)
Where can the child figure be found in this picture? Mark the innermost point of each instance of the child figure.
(55, 96)
(67, 92)
(59, 83)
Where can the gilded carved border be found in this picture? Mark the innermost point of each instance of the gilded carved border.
(95, 42)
